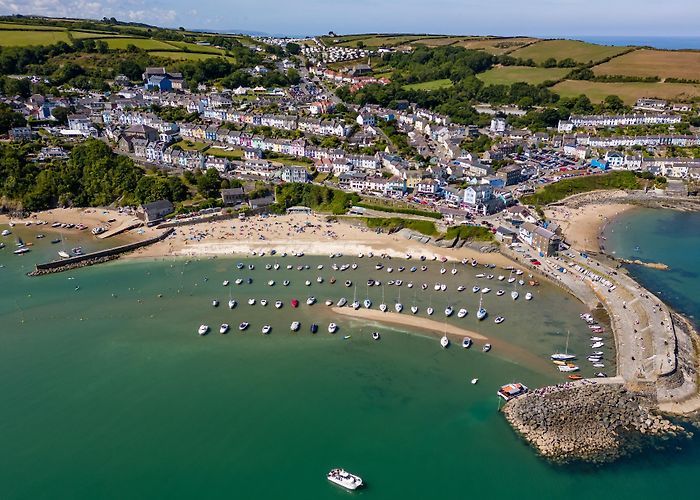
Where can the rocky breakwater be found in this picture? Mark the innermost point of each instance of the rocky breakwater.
(588, 422)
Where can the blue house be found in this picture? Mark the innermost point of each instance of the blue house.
(159, 82)
(601, 164)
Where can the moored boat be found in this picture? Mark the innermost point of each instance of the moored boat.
(243, 326)
(223, 328)
(510, 391)
(343, 478)
(466, 342)
(332, 328)
(203, 329)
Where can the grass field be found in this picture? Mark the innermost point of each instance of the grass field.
(236, 154)
(187, 145)
(567, 187)
(17, 38)
(432, 85)
(198, 48)
(562, 49)
(184, 56)
(29, 27)
(628, 92)
(661, 63)
(440, 41)
(142, 43)
(383, 41)
(496, 46)
(510, 74)
(91, 34)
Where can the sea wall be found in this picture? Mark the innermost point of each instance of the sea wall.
(92, 258)
(589, 421)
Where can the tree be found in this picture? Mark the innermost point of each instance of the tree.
(293, 48)
(550, 63)
(61, 115)
(209, 183)
(613, 104)
(10, 119)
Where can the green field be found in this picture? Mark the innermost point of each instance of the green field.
(184, 56)
(29, 27)
(661, 63)
(627, 91)
(432, 85)
(496, 46)
(18, 38)
(557, 191)
(193, 47)
(236, 154)
(383, 41)
(510, 74)
(93, 34)
(187, 145)
(581, 52)
(142, 43)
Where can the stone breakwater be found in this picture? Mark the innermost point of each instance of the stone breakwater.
(73, 265)
(588, 422)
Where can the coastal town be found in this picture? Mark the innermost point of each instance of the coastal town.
(301, 168)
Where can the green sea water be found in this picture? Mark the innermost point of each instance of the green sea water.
(108, 392)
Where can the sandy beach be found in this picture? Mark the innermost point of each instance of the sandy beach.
(582, 224)
(310, 234)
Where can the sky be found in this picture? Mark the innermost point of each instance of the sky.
(553, 18)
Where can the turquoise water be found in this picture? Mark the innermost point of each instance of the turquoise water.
(662, 236)
(108, 392)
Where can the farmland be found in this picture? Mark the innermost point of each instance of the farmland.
(432, 85)
(581, 52)
(141, 43)
(21, 38)
(496, 46)
(647, 62)
(93, 34)
(184, 56)
(628, 92)
(28, 27)
(507, 75)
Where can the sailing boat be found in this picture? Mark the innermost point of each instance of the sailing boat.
(481, 313)
(444, 341)
(382, 306)
(430, 309)
(62, 253)
(454, 269)
(398, 306)
(414, 307)
(514, 294)
(565, 356)
(367, 302)
(355, 302)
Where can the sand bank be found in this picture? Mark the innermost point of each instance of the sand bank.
(417, 322)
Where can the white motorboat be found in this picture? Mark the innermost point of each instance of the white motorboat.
(409, 284)
(485, 290)
(311, 301)
(203, 329)
(568, 368)
(251, 266)
(461, 313)
(528, 296)
(500, 292)
(343, 478)
(501, 277)
(268, 266)
(225, 283)
(398, 307)
(443, 287)
(332, 328)
(489, 277)
(251, 301)
(514, 295)
(342, 302)
(232, 303)
(354, 266)
(414, 309)
(379, 267)
(63, 255)
(424, 286)
(6, 232)
(499, 320)
(329, 302)
(295, 326)
(449, 311)
(276, 266)
(596, 339)
(443, 270)
(285, 282)
(596, 345)
(266, 329)
(486, 348)
(481, 312)
(319, 279)
(348, 283)
(215, 303)
(375, 335)
(263, 302)
(223, 328)
(319, 267)
(430, 311)
(444, 341)
(511, 280)
(279, 304)
(518, 272)
(307, 283)
(355, 304)
(243, 326)
(271, 283)
(389, 269)
(367, 303)
(383, 307)
(480, 275)
(436, 287)
(461, 288)
(475, 289)
(466, 342)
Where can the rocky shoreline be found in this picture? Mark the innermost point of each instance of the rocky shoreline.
(589, 422)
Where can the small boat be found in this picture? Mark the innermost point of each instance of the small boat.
(367, 303)
(276, 266)
(499, 320)
(596, 345)
(528, 296)
(348, 283)
(203, 329)
(375, 336)
(501, 277)
(295, 303)
(475, 381)
(279, 304)
(500, 292)
(333, 280)
(414, 309)
(574, 377)
(249, 280)
(355, 304)
(481, 313)
(511, 279)
(480, 275)
(389, 269)
(215, 303)
(6, 232)
(319, 279)
(596, 339)
(307, 283)
(271, 283)
(251, 266)
(424, 286)
(243, 326)
(486, 348)
(461, 313)
(285, 282)
(443, 287)
(423, 268)
(266, 329)
(449, 311)
(40, 236)
(382, 307)
(329, 302)
(343, 478)
(354, 266)
(409, 284)
(444, 341)
(240, 265)
(251, 301)
(413, 269)
(238, 281)
(514, 295)
(443, 270)
(601, 375)
(223, 328)
(295, 326)
(225, 283)
(342, 302)
(562, 357)
(398, 307)
(430, 311)
(466, 342)
(379, 267)
(232, 303)
(63, 255)
(263, 302)
(268, 266)
(310, 301)
(55, 241)
(568, 368)
(332, 328)
(461, 288)
(314, 328)
(475, 289)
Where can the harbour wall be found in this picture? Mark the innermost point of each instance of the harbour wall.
(100, 256)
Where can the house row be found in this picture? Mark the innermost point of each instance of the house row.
(602, 121)
(640, 140)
